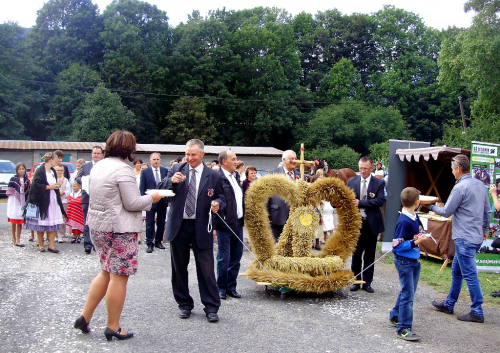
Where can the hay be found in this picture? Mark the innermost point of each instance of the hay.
(291, 260)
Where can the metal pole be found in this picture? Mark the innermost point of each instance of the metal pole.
(460, 100)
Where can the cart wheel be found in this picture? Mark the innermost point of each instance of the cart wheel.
(283, 295)
(265, 287)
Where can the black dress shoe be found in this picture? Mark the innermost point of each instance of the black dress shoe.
(234, 294)
(81, 324)
(150, 248)
(354, 287)
(212, 317)
(368, 288)
(88, 250)
(55, 251)
(222, 295)
(109, 333)
(184, 313)
(159, 245)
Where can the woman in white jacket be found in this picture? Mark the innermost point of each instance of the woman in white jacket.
(114, 219)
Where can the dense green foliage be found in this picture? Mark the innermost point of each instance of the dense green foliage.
(342, 84)
(470, 62)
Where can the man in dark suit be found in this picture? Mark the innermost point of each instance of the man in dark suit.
(150, 178)
(97, 154)
(198, 191)
(230, 245)
(369, 197)
(277, 208)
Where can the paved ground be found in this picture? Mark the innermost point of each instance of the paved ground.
(41, 294)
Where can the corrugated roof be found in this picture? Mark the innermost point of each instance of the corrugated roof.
(141, 147)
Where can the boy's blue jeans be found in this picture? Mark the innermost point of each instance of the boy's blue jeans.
(464, 267)
(409, 273)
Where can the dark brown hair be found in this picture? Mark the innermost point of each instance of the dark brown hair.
(137, 160)
(59, 153)
(248, 169)
(19, 165)
(409, 195)
(120, 144)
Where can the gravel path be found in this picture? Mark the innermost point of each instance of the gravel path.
(41, 294)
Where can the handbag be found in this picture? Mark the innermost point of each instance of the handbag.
(496, 243)
(31, 211)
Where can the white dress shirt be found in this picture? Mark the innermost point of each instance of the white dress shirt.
(238, 193)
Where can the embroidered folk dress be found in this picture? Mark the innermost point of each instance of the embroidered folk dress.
(15, 203)
(54, 216)
(75, 212)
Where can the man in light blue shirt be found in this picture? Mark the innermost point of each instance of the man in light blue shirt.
(469, 205)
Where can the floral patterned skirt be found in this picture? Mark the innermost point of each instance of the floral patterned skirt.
(117, 252)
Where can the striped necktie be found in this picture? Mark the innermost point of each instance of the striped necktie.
(191, 196)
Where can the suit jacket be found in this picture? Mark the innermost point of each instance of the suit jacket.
(371, 204)
(210, 189)
(230, 212)
(277, 208)
(148, 181)
(85, 171)
(66, 171)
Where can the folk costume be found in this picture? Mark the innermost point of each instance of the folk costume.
(49, 204)
(17, 191)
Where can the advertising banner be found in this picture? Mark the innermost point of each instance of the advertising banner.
(485, 166)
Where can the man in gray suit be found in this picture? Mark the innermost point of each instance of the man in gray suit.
(97, 154)
(277, 208)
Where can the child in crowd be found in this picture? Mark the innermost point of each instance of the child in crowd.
(407, 237)
(75, 211)
(17, 191)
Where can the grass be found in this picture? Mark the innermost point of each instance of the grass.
(3, 199)
(441, 280)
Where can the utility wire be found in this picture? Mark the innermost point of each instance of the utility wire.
(130, 94)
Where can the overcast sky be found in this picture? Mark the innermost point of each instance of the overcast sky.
(436, 13)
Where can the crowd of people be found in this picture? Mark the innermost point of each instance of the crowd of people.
(108, 202)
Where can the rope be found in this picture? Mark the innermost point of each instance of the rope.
(241, 241)
(380, 258)
(275, 281)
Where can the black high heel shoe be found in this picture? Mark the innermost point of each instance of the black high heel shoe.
(81, 324)
(109, 333)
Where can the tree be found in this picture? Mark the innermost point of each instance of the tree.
(99, 115)
(21, 102)
(407, 52)
(72, 85)
(343, 81)
(484, 8)
(343, 157)
(380, 152)
(137, 43)
(353, 123)
(66, 32)
(472, 60)
(188, 120)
